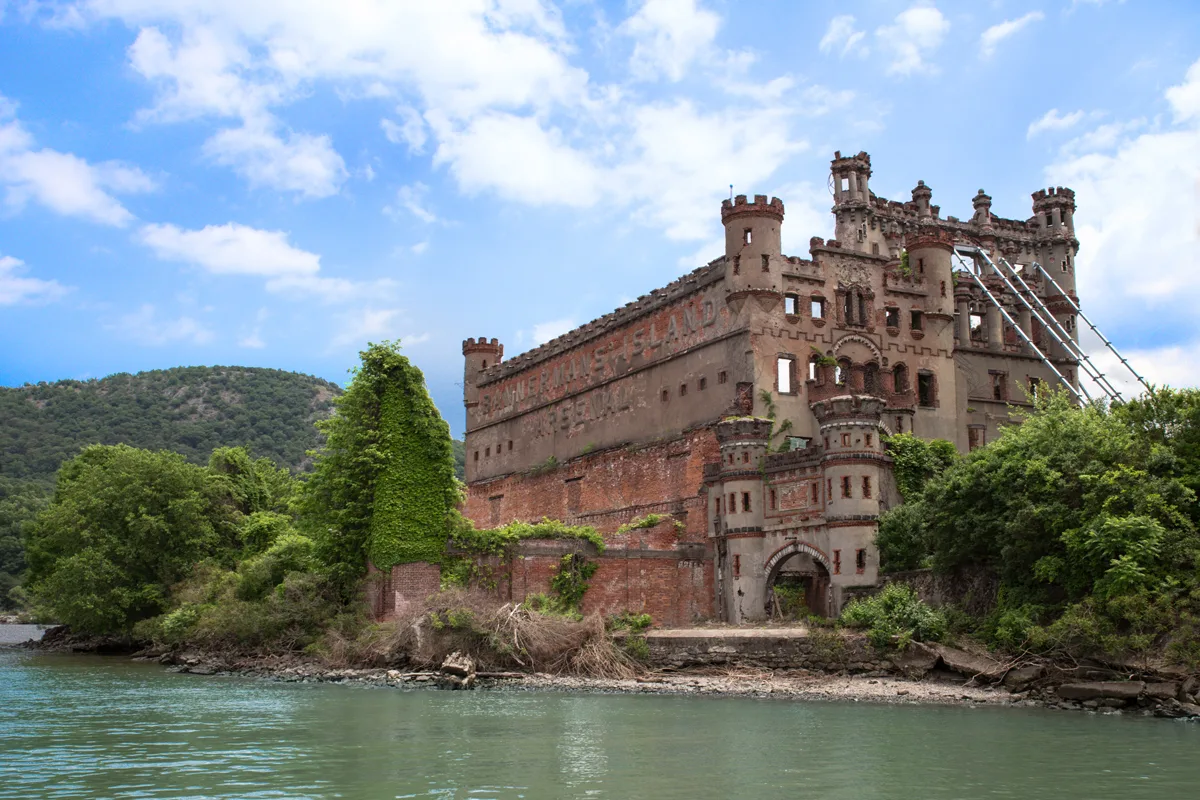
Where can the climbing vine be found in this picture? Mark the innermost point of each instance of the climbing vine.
(777, 429)
(570, 582)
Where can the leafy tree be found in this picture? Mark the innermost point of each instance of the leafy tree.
(383, 487)
(122, 527)
(19, 503)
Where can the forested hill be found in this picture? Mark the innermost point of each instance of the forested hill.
(190, 410)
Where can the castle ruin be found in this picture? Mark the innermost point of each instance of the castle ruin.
(749, 399)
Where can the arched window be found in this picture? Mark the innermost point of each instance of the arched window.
(900, 378)
(871, 378)
(843, 371)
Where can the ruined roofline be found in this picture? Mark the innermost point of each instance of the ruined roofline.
(680, 287)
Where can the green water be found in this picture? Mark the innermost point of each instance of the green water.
(92, 727)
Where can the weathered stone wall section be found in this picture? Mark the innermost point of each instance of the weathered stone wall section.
(826, 651)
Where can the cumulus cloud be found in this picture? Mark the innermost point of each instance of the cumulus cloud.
(410, 130)
(231, 249)
(145, 326)
(991, 38)
(911, 38)
(301, 163)
(843, 38)
(1053, 120)
(16, 289)
(62, 182)
(545, 331)
(669, 36)
(372, 324)
(411, 199)
(1135, 219)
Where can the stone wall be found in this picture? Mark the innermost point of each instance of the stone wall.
(972, 590)
(824, 650)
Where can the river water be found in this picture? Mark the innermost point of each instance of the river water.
(97, 727)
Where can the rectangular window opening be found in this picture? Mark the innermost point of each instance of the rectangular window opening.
(791, 305)
(977, 325)
(893, 318)
(999, 386)
(784, 367)
(916, 320)
(846, 486)
(816, 492)
(746, 501)
(476, 455)
(845, 440)
(860, 561)
(747, 236)
(926, 395)
(837, 562)
(666, 395)
(818, 308)
(766, 263)
(737, 565)
(772, 499)
(703, 384)
(510, 445)
(866, 486)
(683, 390)
(722, 377)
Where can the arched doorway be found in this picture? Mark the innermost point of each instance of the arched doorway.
(797, 568)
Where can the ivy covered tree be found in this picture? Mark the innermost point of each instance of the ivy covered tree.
(383, 488)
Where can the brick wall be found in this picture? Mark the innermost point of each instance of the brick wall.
(388, 592)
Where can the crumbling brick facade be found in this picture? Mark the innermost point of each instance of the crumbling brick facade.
(666, 404)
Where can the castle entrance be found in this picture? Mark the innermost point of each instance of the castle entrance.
(797, 583)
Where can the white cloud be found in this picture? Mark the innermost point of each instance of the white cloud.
(303, 163)
(419, 248)
(1137, 223)
(998, 33)
(145, 326)
(16, 289)
(62, 182)
(1185, 98)
(843, 38)
(912, 38)
(545, 331)
(253, 340)
(371, 324)
(332, 290)
(231, 249)
(409, 131)
(670, 35)
(412, 199)
(1052, 120)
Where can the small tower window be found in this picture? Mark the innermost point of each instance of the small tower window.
(666, 395)
(812, 368)
(866, 486)
(916, 320)
(766, 263)
(785, 369)
(926, 389)
(772, 499)
(815, 494)
(943, 288)
(845, 440)
(921, 266)
(476, 455)
(737, 265)
(818, 308)
(860, 561)
(722, 377)
(746, 501)
(893, 317)
(747, 236)
(846, 486)
(703, 384)
(732, 501)
(683, 390)
(837, 562)
(999, 386)
(869, 440)
(899, 424)
(791, 305)
(510, 445)
(487, 452)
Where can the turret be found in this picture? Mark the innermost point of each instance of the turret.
(983, 210)
(921, 196)
(1054, 209)
(478, 355)
(929, 258)
(743, 442)
(851, 178)
(753, 250)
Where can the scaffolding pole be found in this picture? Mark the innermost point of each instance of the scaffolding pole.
(999, 307)
(1049, 323)
(1095, 330)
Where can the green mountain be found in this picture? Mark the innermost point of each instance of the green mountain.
(190, 410)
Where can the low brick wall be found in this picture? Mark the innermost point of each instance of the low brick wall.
(828, 651)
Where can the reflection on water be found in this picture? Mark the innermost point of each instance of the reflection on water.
(91, 727)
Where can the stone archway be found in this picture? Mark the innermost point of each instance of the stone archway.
(818, 585)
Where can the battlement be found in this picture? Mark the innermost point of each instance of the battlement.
(482, 345)
(861, 161)
(742, 429)
(1055, 195)
(930, 236)
(739, 207)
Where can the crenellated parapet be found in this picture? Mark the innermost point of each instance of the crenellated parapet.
(739, 207)
(483, 345)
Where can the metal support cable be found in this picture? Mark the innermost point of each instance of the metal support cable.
(1045, 360)
(1081, 315)
(1056, 331)
(1064, 336)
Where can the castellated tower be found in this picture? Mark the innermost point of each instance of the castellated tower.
(743, 446)
(1054, 210)
(753, 250)
(851, 178)
(478, 355)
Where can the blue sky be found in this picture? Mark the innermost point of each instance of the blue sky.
(275, 184)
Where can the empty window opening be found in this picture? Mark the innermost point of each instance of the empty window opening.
(791, 305)
(975, 437)
(837, 562)
(866, 486)
(737, 265)
(732, 502)
(943, 288)
(848, 308)
(745, 501)
(485, 365)
(845, 440)
(766, 263)
(860, 561)
(737, 565)
(829, 488)
(1069, 324)
(843, 371)
(1035, 387)
(682, 389)
(874, 248)
(703, 384)
(893, 318)
(899, 424)
(745, 457)
(999, 386)
(862, 308)
(900, 378)
(476, 455)
(784, 372)
(747, 236)
(815, 493)
(812, 368)
(916, 320)
(869, 440)
(718, 506)
(845, 184)
(722, 377)
(818, 308)
(487, 452)
(926, 389)
(920, 266)
(510, 445)
(846, 486)
(666, 395)
(772, 499)
(871, 378)
(977, 329)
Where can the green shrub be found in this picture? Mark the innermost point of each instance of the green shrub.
(896, 615)
(260, 574)
(629, 621)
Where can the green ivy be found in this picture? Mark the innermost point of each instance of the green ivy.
(570, 582)
(498, 541)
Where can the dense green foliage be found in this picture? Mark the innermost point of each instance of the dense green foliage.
(189, 410)
(915, 461)
(383, 487)
(1086, 515)
(894, 617)
(496, 541)
(19, 503)
(122, 527)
